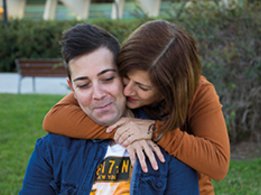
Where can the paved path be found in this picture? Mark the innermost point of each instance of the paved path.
(9, 84)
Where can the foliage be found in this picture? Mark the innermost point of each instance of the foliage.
(229, 43)
(20, 125)
(40, 39)
(230, 46)
(29, 39)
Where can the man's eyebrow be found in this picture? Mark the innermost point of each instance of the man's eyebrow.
(100, 73)
(106, 70)
(80, 78)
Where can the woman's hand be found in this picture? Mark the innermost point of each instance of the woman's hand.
(130, 130)
(135, 135)
(142, 148)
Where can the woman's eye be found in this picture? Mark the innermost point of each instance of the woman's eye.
(143, 88)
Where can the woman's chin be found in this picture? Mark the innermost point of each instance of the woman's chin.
(132, 105)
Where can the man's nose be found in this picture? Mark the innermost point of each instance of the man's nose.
(98, 92)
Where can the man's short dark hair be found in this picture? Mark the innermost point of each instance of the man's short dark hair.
(85, 38)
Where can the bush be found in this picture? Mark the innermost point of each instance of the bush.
(229, 43)
(40, 39)
(230, 46)
(29, 39)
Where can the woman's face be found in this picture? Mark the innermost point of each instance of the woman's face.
(139, 90)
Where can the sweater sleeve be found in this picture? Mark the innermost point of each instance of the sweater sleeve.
(207, 149)
(67, 118)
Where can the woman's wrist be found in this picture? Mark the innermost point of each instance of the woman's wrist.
(157, 135)
(151, 130)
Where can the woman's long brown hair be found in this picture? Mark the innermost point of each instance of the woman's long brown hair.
(170, 56)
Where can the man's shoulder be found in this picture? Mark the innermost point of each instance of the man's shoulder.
(56, 140)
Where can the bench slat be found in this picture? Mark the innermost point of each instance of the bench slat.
(40, 68)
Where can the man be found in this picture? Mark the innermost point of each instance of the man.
(62, 165)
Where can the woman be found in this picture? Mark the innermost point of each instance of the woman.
(161, 72)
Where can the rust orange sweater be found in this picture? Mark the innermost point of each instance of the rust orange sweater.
(207, 150)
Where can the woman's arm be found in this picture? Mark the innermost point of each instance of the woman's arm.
(67, 118)
(207, 150)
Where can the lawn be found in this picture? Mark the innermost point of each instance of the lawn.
(20, 125)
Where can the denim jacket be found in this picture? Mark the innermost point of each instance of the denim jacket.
(67, 166)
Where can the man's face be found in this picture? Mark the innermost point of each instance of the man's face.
(97, 86)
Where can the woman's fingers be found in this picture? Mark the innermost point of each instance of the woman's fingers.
(120, 138)
(128, 140)
(139, 128)
(141, 157)
(142, 148)
(132, 154)
(156, 150)
(116, 125)
(149, 153)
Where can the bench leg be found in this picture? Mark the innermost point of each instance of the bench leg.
(19, 84)
(33, 80)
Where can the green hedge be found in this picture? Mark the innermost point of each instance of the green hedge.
(40, 39)
(229, 43)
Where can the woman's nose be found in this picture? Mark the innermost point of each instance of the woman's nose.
(129, 89)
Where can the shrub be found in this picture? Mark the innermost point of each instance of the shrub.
(230, 46)
(40, 39)
(29, 39)
(229, 43)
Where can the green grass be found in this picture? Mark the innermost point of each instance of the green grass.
(244, 178)
(20, 125)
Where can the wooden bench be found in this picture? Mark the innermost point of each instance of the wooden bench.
(39, 68)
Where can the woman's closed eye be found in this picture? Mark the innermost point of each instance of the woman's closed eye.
(143, 88)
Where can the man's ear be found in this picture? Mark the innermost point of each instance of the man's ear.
(70, 85)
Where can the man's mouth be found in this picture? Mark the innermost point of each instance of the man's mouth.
(103, 107)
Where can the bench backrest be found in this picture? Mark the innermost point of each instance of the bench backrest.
(41, 67)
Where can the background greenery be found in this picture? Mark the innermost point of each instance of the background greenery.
(230, 47)
(20, 125)
(229, 44)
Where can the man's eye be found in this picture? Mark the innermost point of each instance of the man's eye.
(109, 79)
(83, 86)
